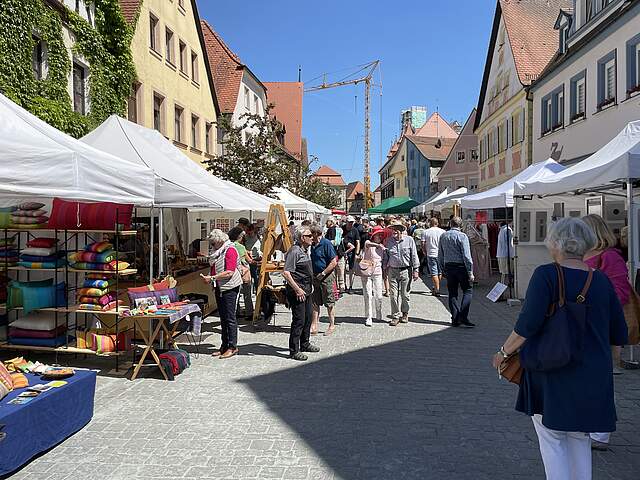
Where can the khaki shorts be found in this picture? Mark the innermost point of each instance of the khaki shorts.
(325, 291)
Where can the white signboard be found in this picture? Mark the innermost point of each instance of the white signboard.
(496, 292)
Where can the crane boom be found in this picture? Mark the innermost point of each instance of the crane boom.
(367, 80)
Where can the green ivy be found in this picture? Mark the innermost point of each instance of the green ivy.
(106, 48)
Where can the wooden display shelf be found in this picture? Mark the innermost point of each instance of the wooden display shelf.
(126, 271)
(112, 232)
(75, 309)
(62, 349)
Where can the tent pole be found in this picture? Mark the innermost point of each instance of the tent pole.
(631, 243)
(515, 246)
(161, 242)
(151, 242)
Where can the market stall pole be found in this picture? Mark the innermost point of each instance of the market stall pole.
(270, 243)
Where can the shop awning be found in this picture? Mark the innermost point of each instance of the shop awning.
(294, 202)
(452, 198)
(614, 163)
(175, 185)
(39, 161)
(392, 205)
(502, 195)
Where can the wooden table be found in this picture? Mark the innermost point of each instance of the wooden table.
(166, 329)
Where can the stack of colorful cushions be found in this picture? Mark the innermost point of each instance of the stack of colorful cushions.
(29, 215)
(5, 216)
(97, 256)
(43, 329)
(98, 293)
(34, 295)
(42, 253)
(8, 253)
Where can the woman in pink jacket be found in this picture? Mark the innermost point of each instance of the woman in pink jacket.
(608, 259)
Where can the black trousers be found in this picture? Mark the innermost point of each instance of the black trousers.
(301, 316)
(458, 278)
(227, 301)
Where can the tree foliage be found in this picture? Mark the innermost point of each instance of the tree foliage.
(105, 47)
(308, 186)
(251, 153)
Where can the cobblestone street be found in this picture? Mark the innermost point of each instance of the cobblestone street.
(418, 401)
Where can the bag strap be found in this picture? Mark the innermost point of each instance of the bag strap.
(561, 295)
(583, 294)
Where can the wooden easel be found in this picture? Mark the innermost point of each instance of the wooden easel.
(271, 242)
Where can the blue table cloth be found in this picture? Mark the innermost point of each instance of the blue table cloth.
(32, 428)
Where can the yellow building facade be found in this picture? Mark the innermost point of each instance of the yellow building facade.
(174, 91)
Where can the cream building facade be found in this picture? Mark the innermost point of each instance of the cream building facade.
(174, 92)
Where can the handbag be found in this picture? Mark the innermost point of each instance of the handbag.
(631, 311)
(245, 273)
(560, 343)
(364, 268)
(511, 368)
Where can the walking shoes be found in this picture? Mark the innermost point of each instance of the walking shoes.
(394, 322)
(311, 348)
(368, 322)
(299, 356)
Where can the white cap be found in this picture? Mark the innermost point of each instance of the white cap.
(350, 219)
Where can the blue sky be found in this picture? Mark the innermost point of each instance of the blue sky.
(432, 54)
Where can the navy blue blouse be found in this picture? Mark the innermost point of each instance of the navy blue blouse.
(579, 397)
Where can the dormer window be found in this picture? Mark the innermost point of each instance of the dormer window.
(563, 25)
(564, 37)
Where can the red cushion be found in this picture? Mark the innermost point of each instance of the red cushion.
(89, 216)
(42, 242)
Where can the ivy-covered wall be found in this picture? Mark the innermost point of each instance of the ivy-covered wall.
(106, 48)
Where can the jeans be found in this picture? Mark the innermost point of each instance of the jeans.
(457, 276)
(372, 291)
(248, 301)
(255, 276)
(301, 317)
(226, 301)
(400, 286)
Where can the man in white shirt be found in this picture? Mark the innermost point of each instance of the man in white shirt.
(430, 241)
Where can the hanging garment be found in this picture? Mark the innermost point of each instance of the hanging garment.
(479, 252)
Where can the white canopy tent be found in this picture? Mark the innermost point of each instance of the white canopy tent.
(450, 199)
(501, 196)
(420, 208)
(292, 201)
(39, 161)
(428, 205)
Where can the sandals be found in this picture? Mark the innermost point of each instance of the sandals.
(329, 331)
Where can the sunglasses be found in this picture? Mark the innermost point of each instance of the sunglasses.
(307, 235)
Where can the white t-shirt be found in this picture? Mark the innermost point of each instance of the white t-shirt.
(431, 239)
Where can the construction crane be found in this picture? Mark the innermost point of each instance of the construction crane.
(367, 79)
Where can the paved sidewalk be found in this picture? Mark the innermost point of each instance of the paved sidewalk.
(417, 401)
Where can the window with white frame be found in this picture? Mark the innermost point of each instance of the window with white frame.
(154, 34)
(481, 148)
(578, 93)
(39, 58)
(195, 73)
(247, 99)
(183, 58)
(158, 112)
(473, 183)
(558, 118)
(460, 157)
(169, 55)
(633, 65)
(256, 105)
(473, 154)
(195, 132)
(552, 110)
(79, 79)
(178, 124)
(517, 127)
(607, 80)
(547, 114)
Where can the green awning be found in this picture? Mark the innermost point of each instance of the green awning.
(394, 205)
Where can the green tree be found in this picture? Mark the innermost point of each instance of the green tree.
(254, 160)
(308, 186)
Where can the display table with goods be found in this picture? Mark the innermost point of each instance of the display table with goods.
(40, 409)
(163, 322)
(64, 282)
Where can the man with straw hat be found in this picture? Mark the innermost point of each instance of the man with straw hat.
(402, 264)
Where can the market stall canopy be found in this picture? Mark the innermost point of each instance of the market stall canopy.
(617, 161)
(394, 205)
(422, 207)
(501, 196)
(176, 185)
(39, 161)
(452, 198)
(294, 202)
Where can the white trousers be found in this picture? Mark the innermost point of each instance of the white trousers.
(601, 437)
(372, 290)
(566, 455)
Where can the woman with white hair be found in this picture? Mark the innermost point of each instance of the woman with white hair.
(568, 400)
(226, 280)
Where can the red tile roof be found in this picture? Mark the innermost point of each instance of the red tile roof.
(286, 98)
(226, 67)
(130, 9)
(428, 146)
(353, 189)
(436, 126)
(533, 39)
(329, 176)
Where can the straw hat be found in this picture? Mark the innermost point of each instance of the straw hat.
(398, 225)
